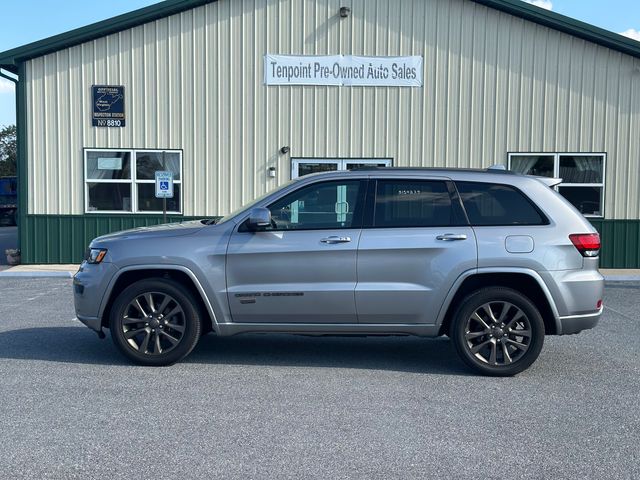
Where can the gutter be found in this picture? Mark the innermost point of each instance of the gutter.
(8, 77)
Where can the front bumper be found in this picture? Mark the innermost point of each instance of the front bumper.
(90, 284)
(93, 323)
(576, 323)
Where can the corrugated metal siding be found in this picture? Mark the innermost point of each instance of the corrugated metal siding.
(65, 238)
(620, 243)
(494, 83)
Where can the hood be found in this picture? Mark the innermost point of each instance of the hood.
(155, 231)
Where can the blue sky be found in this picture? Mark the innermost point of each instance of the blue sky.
(26, 21)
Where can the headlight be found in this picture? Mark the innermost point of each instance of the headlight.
(95, 255)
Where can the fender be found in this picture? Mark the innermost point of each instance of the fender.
(183, 269)
(526, 271)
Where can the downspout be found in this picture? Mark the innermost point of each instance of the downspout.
(21, 159)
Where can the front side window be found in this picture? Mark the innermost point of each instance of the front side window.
(490, 204)
(327, 205)
(413, 203)
(124, 181)
(582, 176)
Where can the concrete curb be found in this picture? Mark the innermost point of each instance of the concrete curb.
(10, 274)
(621, 278)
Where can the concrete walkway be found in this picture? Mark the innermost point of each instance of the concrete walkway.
(67, 271)
(39, 271)
(621, 274)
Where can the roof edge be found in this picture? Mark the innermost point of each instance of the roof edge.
(10, 59)
(556, 21)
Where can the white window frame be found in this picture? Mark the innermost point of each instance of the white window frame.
(133, 181)
(556, 171)
(340, 162)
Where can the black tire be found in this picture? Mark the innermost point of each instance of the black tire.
(495, 343)
(179, 320)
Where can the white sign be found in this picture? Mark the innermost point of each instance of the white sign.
(347, 70)
(164, 184)
(114, 163)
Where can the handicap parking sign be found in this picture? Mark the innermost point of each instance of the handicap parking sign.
(164, 184)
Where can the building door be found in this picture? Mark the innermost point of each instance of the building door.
(304, 166)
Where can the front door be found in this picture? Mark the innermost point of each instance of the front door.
(303, 268)
(417, 245)
(304, 166)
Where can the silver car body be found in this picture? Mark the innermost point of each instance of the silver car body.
(354, 281)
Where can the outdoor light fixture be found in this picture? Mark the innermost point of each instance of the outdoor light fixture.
(344, 12)
(272, 172)
(284, 150)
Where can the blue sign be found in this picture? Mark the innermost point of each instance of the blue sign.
(108, 106)
(164, 184)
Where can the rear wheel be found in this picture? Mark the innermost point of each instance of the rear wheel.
(498, 331)
(155, 322)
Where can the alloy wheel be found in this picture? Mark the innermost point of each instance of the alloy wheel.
(153, 323)
(498, 333)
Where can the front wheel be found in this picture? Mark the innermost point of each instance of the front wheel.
(497, 331)
(155, 322)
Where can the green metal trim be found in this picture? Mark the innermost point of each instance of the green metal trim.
(620, 243)
(64, 238)
(21, 164)
(12, 58)
(566, 24)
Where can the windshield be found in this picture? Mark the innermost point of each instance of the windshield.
(251, 204)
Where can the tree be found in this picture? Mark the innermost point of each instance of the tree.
(8, 151)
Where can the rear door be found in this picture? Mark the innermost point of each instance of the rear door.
(415, 244)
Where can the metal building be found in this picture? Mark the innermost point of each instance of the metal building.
(238, 96)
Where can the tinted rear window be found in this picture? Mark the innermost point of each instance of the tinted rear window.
(489, 204)
(412, 203)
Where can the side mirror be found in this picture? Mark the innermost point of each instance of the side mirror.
(259, 218)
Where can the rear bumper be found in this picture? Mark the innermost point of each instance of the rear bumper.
(576, 323)
(575, 292)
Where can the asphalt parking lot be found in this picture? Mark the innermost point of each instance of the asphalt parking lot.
(303, 407)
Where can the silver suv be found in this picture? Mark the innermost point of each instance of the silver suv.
(493, 259)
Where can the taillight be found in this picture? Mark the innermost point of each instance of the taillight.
(588, 244)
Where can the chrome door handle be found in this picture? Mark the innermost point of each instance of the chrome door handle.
(449, 237)
(336, 239)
